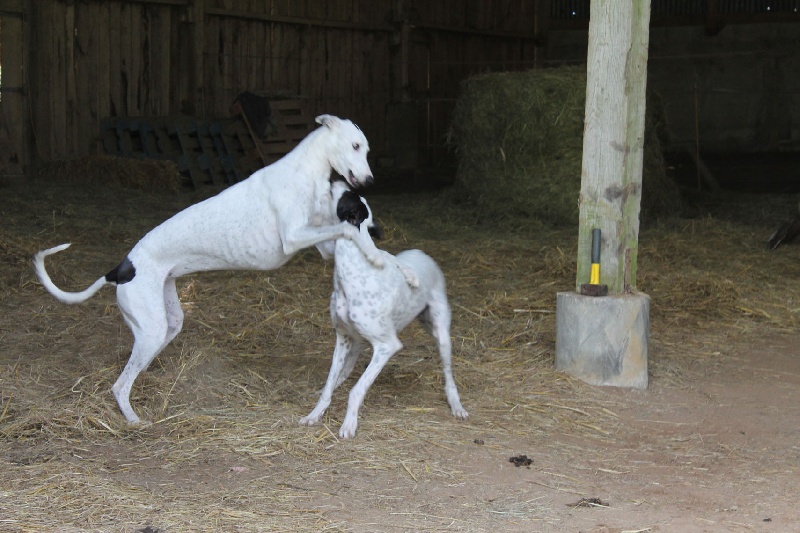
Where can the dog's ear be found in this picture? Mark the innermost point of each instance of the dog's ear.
(376, 232)
(329, 121)
(351, 209)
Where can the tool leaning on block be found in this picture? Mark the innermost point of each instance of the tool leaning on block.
(594, 288)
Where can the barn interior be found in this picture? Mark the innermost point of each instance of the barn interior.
(116, 114)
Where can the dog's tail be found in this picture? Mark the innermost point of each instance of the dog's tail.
(63, 296)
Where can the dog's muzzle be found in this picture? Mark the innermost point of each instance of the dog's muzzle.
(351, 178)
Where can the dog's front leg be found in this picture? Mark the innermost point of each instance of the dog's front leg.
(408, 273)
(381, 353)
(327, 249)
(296, 239)
(343, 347)
(364, 242)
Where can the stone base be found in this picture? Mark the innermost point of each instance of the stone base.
(603, 340)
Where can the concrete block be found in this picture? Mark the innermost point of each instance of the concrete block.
(603, 340)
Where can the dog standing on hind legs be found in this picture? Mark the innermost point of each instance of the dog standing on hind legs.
(256, 224)
(370, 305)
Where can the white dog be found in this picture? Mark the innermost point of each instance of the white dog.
(257, 224)
(373, 305)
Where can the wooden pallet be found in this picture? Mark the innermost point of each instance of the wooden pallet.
(292, 125)
(218, 152)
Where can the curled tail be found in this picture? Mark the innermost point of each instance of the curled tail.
(63, 296)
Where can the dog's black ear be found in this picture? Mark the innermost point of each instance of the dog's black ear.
(351, 209)
(376, 231)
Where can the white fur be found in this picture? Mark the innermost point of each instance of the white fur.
(370, 305)
(257, 224)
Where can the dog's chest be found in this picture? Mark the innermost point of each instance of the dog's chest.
(366, 294)
(322, 210)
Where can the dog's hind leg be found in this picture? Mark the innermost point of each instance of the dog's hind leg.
(146, 315)
(438, 320)
(381, 353)
(172, 306)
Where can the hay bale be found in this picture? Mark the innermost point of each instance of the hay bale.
(141, 174)
(519, 139)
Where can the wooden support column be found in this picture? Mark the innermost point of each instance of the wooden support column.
(611, 177)
(604, 340)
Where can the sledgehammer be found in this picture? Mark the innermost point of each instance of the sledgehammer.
(594, 288)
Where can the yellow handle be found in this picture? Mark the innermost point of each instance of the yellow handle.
(594, 276)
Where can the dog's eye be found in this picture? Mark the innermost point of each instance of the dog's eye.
(356, 146)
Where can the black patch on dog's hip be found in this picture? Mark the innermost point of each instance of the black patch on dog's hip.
(124, 272)
(375, 231)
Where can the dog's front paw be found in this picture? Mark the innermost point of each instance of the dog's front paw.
(309, 420)
(411, 277)
(348, 429)
(376, 260)
(460, 413)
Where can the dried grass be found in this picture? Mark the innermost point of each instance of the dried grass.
(225, 451)
(519, 140)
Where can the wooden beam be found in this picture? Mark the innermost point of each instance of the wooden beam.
(611, 180)
(12, 7)
(299, 21)
(178, 3)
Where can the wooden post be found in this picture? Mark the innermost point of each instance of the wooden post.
(611, 180)
(604, 340)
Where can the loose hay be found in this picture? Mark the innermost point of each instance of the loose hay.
(226, 452)
(519, 141)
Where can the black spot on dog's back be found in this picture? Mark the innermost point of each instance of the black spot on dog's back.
(124, 272)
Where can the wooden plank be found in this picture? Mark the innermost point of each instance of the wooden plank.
(14, 157)
(258, 51)
(227, 154)
(58, 74)
(183, 131)
(209, 76)
(112, 37)
(196, 49)
(157, 83)
(101, 63)
(84, 78)
(311, 21)
(136, 90)
(207, 154)
(124, 64)
(109, 137)
(73, 106)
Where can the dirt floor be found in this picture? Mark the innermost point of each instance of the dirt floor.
(712, 445)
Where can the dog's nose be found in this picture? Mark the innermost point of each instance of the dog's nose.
(369, 180)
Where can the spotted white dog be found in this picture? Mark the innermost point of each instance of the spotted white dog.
(257, 224)
(371, 305)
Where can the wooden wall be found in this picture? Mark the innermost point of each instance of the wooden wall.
(68, 64)
(92, 59)
(12, 93)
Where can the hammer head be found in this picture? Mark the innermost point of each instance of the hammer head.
(592, 289)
